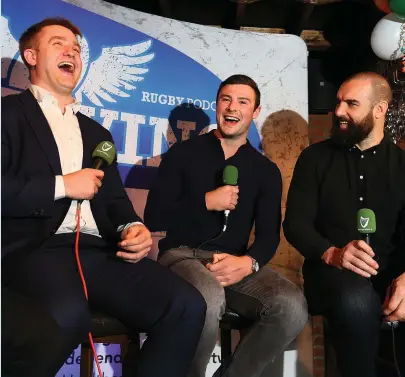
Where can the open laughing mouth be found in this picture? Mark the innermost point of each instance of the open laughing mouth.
(343, 124)
(66, 67)
(231, 120)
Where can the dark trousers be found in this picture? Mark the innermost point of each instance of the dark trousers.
(145, 296)
(30, 338)
(352, 306)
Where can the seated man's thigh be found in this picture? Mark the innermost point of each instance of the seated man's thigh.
(182, 262)
(266, 294)
(139, 293)
(340, 293)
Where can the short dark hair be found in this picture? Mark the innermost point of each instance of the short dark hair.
(27, 38)
(241, 80)
(381, 89)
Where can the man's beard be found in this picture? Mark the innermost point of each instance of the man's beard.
(355, 132)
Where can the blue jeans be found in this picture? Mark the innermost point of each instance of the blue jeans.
(277, 307)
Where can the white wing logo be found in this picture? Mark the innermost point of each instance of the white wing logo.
(115, 72)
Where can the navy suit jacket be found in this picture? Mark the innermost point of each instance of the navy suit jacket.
(30, 161)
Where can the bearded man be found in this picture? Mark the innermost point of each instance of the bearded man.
(353, 284)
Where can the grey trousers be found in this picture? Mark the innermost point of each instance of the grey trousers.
(277, 307)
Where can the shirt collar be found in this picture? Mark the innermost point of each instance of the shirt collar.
(214, 137)
(373, 150)
(44, 96)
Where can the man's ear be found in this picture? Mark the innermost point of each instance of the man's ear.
(380, 110)
(256, 112)
(30, 56)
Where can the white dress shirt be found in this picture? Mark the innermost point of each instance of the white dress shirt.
(68, 138)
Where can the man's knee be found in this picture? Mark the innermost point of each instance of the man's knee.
(195, 304)
(211, 290)
(356, 304)
(188, 302)
(290, 307)
(214, 296)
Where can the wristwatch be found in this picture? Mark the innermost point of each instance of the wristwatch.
(255, 265)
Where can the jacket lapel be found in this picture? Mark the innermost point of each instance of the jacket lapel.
(40, 126)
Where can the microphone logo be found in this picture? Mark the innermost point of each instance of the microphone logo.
(106, 147)
(364, 221)
(105, 151)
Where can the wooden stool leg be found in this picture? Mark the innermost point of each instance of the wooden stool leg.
(226, 349)
(86, 361)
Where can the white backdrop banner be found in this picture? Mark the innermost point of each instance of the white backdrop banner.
(152, 82)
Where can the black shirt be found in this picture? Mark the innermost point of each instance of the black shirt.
(330, 184)
(176, 202)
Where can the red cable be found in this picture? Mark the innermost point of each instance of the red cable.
(79, 266)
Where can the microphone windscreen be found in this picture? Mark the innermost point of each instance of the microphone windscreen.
(230, 175)
(366, 223)
(106, 151)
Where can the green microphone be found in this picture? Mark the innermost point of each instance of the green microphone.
(366, 223)
(103, 156)
(229, 177)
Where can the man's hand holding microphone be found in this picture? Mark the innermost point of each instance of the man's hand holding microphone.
(83, 184)
(227, 268)
(356, 256)
(136, 240)
(222, 199)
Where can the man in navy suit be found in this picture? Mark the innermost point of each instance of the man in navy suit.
(46, 169)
